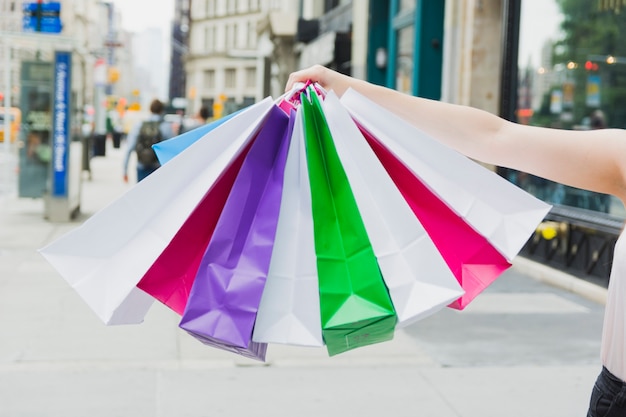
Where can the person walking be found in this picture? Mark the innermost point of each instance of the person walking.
(592, 160)
(142, 136)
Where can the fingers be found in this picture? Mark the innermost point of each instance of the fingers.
(314, 73)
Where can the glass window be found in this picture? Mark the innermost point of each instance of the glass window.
(230, 80)
(406, 5)
(572, 75)
(252, 35)
(209, 79)
(404, 64)
(209, 38)
(229, 36)
(330, 4)
(251, 77)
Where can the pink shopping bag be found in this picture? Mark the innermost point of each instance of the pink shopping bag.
(471, 258)
(171, 276)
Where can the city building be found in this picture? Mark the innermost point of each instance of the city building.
(225, 65)
(180, 49)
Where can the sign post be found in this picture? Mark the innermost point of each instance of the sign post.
(63, 199)
(61, 122)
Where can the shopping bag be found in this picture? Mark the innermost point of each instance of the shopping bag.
(170, 277)
(472, 259)
(104, 258)
(289, 311)
(501, 212)
(225, 295)
(355, 307)
(167, 149)
(419, 281)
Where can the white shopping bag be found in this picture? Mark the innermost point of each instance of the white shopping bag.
(419, 280)
(500, 211)
(289, 312)
(105, 258)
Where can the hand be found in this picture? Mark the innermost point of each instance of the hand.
(327, 78)
(126, 178)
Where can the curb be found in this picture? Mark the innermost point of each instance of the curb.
(561, 280)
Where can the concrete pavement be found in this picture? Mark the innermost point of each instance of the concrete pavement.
(58, 359)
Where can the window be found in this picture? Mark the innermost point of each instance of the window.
(406, 5)
(230, 78)
(236, 36)
(247, 101)
(209, 38)
(230, 36)
(209, 79)
(252, 35)
(250, 77)
(404, 72)
(330, 4)
(570, 77)
(242, 35)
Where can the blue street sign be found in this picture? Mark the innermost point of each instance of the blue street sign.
(42, 17)
(61, 121)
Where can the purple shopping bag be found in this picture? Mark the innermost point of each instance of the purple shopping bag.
(225, 296)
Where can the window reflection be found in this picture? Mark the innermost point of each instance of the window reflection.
(406, 5)
(572, 75)
(404, 72)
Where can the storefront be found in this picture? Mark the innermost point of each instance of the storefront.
(406, 46)
(570, 73)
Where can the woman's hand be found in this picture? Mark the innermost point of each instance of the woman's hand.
(327, 78)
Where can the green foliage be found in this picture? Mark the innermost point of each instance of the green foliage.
(589, 33)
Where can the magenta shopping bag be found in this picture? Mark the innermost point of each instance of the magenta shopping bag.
(227, 289)
(471, 258)
(171, 276)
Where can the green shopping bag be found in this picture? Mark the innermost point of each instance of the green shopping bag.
(355, 306)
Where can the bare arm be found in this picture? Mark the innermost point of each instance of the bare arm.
(593, 160)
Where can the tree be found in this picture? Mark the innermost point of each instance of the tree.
(592, 34)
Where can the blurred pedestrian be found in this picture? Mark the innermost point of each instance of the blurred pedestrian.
(142, 136)
(199, 119)
(593, 160)
(597, 120)
(114, 127)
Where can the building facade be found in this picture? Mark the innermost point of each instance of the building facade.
(180, 49)
(224, 66)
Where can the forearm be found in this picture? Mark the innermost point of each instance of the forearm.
(586, 160)
(471, 131)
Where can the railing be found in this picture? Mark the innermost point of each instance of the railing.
(576, 241)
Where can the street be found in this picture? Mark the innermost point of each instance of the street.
(516, 322)
(522, 348)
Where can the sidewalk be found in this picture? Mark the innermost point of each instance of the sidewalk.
(58, 360)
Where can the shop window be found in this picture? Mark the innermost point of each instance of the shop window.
(405, 67)
(406, 5)
(571, 75)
